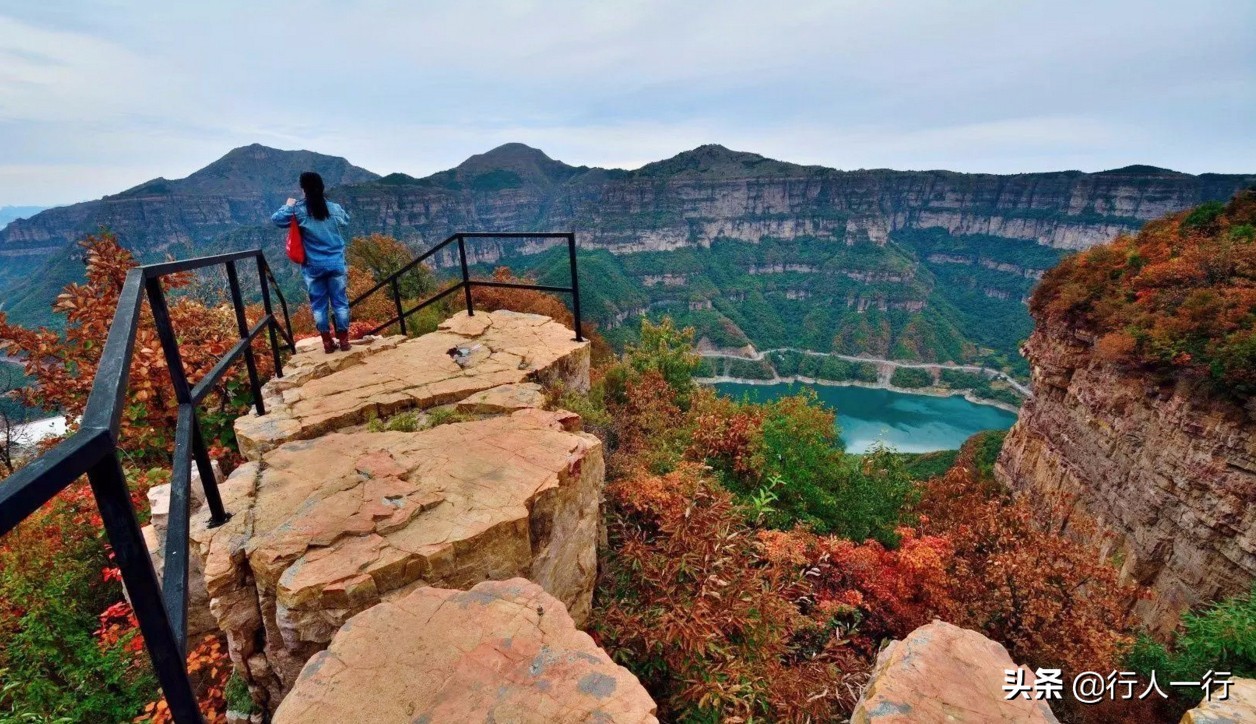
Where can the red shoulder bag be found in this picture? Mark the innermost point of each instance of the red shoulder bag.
(296, 247)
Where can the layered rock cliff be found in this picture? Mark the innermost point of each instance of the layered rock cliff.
(1143, 420)
(1167, 474)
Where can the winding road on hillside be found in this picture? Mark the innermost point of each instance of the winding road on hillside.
(886, 366)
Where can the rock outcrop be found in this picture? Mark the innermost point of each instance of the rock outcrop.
(1166, 475)
(326, 528)
(943, 673)
(199, 619)
(385, 375)
(502, 651)
(1239, 706)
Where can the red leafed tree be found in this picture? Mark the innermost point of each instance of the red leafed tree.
(64, 367)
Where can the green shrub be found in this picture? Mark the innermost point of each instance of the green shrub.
(444, 416)
(404, 422)
(1218, 637)
(797, 443)
(1203, 216)
(52, 592)
(238, 696)
(911, 377)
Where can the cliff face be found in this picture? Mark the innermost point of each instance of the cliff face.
(1168, 475)
(712, 193)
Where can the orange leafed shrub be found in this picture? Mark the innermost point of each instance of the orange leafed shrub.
(1178, 297)
(894, 591)
(1050, 600)
(692, 605)
(209, 667)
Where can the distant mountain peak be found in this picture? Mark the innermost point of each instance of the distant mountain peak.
(1140, 169)
(713, 159)
(508, 155)
(511, 163)
(256, 169)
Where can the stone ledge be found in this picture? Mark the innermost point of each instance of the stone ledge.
(502, 651)
(384, 375)
(323, 529)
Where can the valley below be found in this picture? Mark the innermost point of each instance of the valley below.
(868, 417)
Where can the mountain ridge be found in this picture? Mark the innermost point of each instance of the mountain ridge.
(930, 265)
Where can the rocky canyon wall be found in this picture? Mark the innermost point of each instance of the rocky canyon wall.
(1167, 475)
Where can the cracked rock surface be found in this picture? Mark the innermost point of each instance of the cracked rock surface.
(324, 529)
(944, 673)
(384, 375)
(504, 651)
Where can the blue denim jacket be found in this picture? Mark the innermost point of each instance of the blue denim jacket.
(324, 246)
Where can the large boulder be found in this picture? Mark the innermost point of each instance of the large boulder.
(501, 652)
(1238, 706)
(320, 392)
(943, 673)
(324, 529)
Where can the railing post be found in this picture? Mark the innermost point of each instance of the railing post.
(217, 513)
(401, 315)
(575, 284)
(264, 283)
(283, 304)
(182, 393)
(237, 301)
(466, 277)
(114, 500)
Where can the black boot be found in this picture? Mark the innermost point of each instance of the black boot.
(343, 338)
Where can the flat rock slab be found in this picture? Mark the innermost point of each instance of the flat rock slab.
(323, 392)
(944, 673)
(505, 651)
(506, 398)
(323, 529)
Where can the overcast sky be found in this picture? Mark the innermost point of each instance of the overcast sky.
(96, 97)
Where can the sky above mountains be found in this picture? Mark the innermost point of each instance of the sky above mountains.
(98, 96)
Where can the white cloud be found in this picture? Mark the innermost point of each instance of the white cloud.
(133, 88)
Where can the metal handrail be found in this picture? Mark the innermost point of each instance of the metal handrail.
(467, 283)
(161, 609)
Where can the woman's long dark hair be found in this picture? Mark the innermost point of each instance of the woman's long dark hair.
(315, 202)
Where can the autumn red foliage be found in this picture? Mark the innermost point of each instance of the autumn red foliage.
(64, 367)
(724, 619)
(692, 605)
(1178, 298)
(1050, 600)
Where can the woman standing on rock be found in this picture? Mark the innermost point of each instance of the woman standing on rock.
(324, 270)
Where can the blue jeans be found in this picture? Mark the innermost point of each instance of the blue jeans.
(327, 285)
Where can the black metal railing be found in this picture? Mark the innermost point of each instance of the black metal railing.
(161, 608)
(467, 283)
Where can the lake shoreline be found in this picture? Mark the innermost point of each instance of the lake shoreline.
(795, 379)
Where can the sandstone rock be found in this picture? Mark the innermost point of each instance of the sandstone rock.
(199, 621)
(504, 651)
(1167, 476)
(943, 673)
(326, 528)
(1238, 706)
(505, 398)
(321, 392)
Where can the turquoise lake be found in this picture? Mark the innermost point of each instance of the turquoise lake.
(905, 422)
